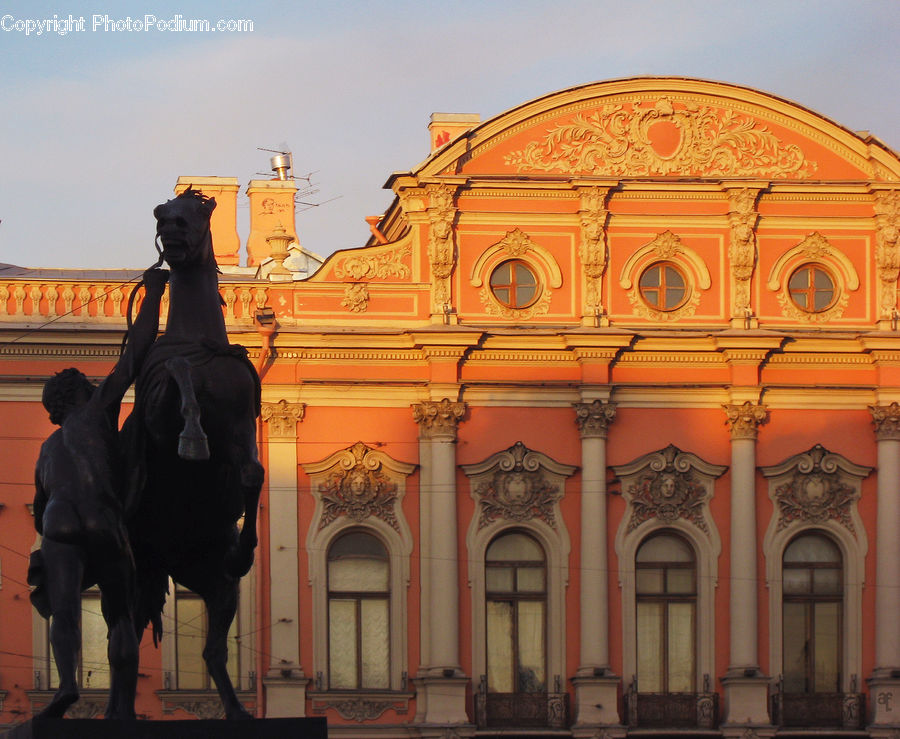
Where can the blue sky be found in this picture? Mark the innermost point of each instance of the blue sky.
(97, 125)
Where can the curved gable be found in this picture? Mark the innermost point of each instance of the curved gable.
(664, 127)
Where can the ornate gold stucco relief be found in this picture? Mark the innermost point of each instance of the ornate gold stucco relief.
(742, 250)
(665, 247)
(814, 248)
(636, 140)
(380, 265)
(441, 244)
(594, 253)
(887, 251)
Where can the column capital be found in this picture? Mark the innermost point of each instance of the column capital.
(744, 420)
(438, 418)
(593, 418)
(283, 418)
(886, 419)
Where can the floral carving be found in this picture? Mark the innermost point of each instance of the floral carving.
(744, 420)
(887, 251)
(593, 242)
(742, 249)
(637, 140)
(441, 248)
(379, 265)
(593, 419)
(356, 297)
(283, 417)
(439, 417)
(492, 307)
(516, 243)
(518, 491)
(886, 419)
(668, 491)
(816, 487)
(358, 488)
(518, 484)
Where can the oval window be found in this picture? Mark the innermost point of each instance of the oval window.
(514, 284)
(812, 288)
(663, 286)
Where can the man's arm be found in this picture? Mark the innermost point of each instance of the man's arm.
(40, 501)
(140, 339)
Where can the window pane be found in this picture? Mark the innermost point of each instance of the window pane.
(821, 280)
(502, 294)
(524, 295)
(514, 548)
(665, 549)
(530, 579)
(501, 275)
(375, 631)
(681, 648)
(499, 579)
(823, 299)
(358, 574)
(673, 279)
(500, 647)
(531, 646)
(524, 276)
(189, 642)
(680, 580)
(828, 647)
(795, 646)
(827, 582)
(650, 277)
(799, 280)
(812, 548)
(795, 581)
(342, 644)
(94, 660)
(649, 647)
(649, 581)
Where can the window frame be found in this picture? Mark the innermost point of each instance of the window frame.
(357, 597)
(514, 597)
(512, 284)
(661, 303)
(810, 268)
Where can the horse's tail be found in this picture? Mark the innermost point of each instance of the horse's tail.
(153, 587)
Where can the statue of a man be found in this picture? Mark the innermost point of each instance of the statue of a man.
(80, 513)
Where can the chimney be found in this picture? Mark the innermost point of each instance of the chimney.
(223, 223)
(444, 127)
(271, 206)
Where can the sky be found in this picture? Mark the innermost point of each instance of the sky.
(97, 124)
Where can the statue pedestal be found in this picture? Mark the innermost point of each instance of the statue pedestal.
(265, 728)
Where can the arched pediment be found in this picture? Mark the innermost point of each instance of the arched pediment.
(664, 127)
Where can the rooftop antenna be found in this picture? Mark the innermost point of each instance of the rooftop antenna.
(282, 163)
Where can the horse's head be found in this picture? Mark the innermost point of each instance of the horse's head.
(182, 225)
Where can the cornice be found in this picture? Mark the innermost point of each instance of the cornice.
(820, 358)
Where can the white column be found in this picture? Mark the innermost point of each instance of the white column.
(884, 684)
(596, 688)
(284, 681)
(746, 689)
(593, 421)
(442, 682)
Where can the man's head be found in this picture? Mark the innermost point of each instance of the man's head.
(64, 392)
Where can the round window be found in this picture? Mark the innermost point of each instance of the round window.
(514, 284)
(812, 288)
(663, 286)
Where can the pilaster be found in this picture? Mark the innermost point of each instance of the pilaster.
(442, 683)
(884, 683)
(285, 683)
(746, 688)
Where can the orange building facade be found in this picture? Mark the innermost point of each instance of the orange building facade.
(599, 434)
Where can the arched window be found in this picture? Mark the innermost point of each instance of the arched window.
(358, 613)
(666, 599)
(516, 601)
(812, 597)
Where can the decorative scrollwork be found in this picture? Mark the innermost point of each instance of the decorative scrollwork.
(358, 488)
(690, 139)
(380, 265)
(668, 492)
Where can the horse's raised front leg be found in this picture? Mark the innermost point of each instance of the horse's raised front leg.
(221, 605)
(192, 442)
(239, 559)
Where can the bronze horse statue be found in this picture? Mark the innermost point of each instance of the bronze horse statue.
(191, 446)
